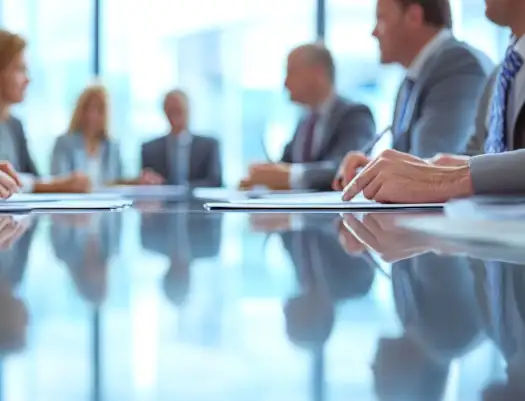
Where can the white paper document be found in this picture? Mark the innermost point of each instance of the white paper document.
(146, 191)
(323, 201)
(66, 205)
(53, 197)
(234, 195)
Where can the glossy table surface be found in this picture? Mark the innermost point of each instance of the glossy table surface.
(169, 302)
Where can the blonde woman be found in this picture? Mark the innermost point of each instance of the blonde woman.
(14, 152)
(87, 147)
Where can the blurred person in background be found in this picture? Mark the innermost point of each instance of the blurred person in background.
(182, 157)
(87, 146)
(436, 105)
(331, 126)
(13, 143)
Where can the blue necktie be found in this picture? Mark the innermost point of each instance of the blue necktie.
(496, 140)
(404, 97)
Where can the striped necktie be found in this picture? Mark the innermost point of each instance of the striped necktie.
(404, 96)
(496, 140)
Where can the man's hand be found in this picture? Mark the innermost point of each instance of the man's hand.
(396, 177)
(273, 176)
(444, 159)
(379, 232)
(150, 177)
(348, 169)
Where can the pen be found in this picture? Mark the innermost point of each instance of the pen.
(369, 146)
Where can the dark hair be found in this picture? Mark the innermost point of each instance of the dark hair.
(435, 12)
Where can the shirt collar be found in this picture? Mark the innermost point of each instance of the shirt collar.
(414, 71)
(519, 46)
(183, 138)
(326, 106)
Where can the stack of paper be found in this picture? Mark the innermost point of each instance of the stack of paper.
(323, 201)
(167, 192)
(31, 202)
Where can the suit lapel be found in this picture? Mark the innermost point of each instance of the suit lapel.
(516, 107)
(410, 115)
(334, 117)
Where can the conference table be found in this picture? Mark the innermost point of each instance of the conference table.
(165, 301)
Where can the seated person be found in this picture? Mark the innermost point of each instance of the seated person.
(402, 178)
(435, 108)
(331, 127)
(182, 157)
(87, 147)
(13, 143)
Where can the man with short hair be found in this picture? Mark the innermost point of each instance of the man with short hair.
(436, 105)
(398, 177)
(330, 128)
(181, 157)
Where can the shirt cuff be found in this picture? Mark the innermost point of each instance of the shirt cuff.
(28, 182)
(296, 180)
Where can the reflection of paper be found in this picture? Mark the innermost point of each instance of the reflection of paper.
(487, 208)
(506, 232)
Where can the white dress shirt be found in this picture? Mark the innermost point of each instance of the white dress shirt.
(430, 49)
(178, 149)
(94, 170)
(297, 169)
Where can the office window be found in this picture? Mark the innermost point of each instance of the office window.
(229, 56)
(60, 59)
(360, 76)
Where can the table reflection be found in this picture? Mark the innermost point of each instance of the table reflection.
(501, 294)
(86, 242)
(183, 237)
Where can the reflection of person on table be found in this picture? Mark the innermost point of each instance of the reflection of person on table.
(87, 147)
(86, 243)
(436, 303)
(13, 141)
(183, 237)
(501, 291)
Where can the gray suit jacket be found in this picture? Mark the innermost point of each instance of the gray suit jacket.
(205, 161)
(442, 105)
(476, 145)
(503, 173)
(26, 164)
(69, 155)
(350, 127)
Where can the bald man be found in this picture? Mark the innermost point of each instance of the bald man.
(181, 157)
(330, 127)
